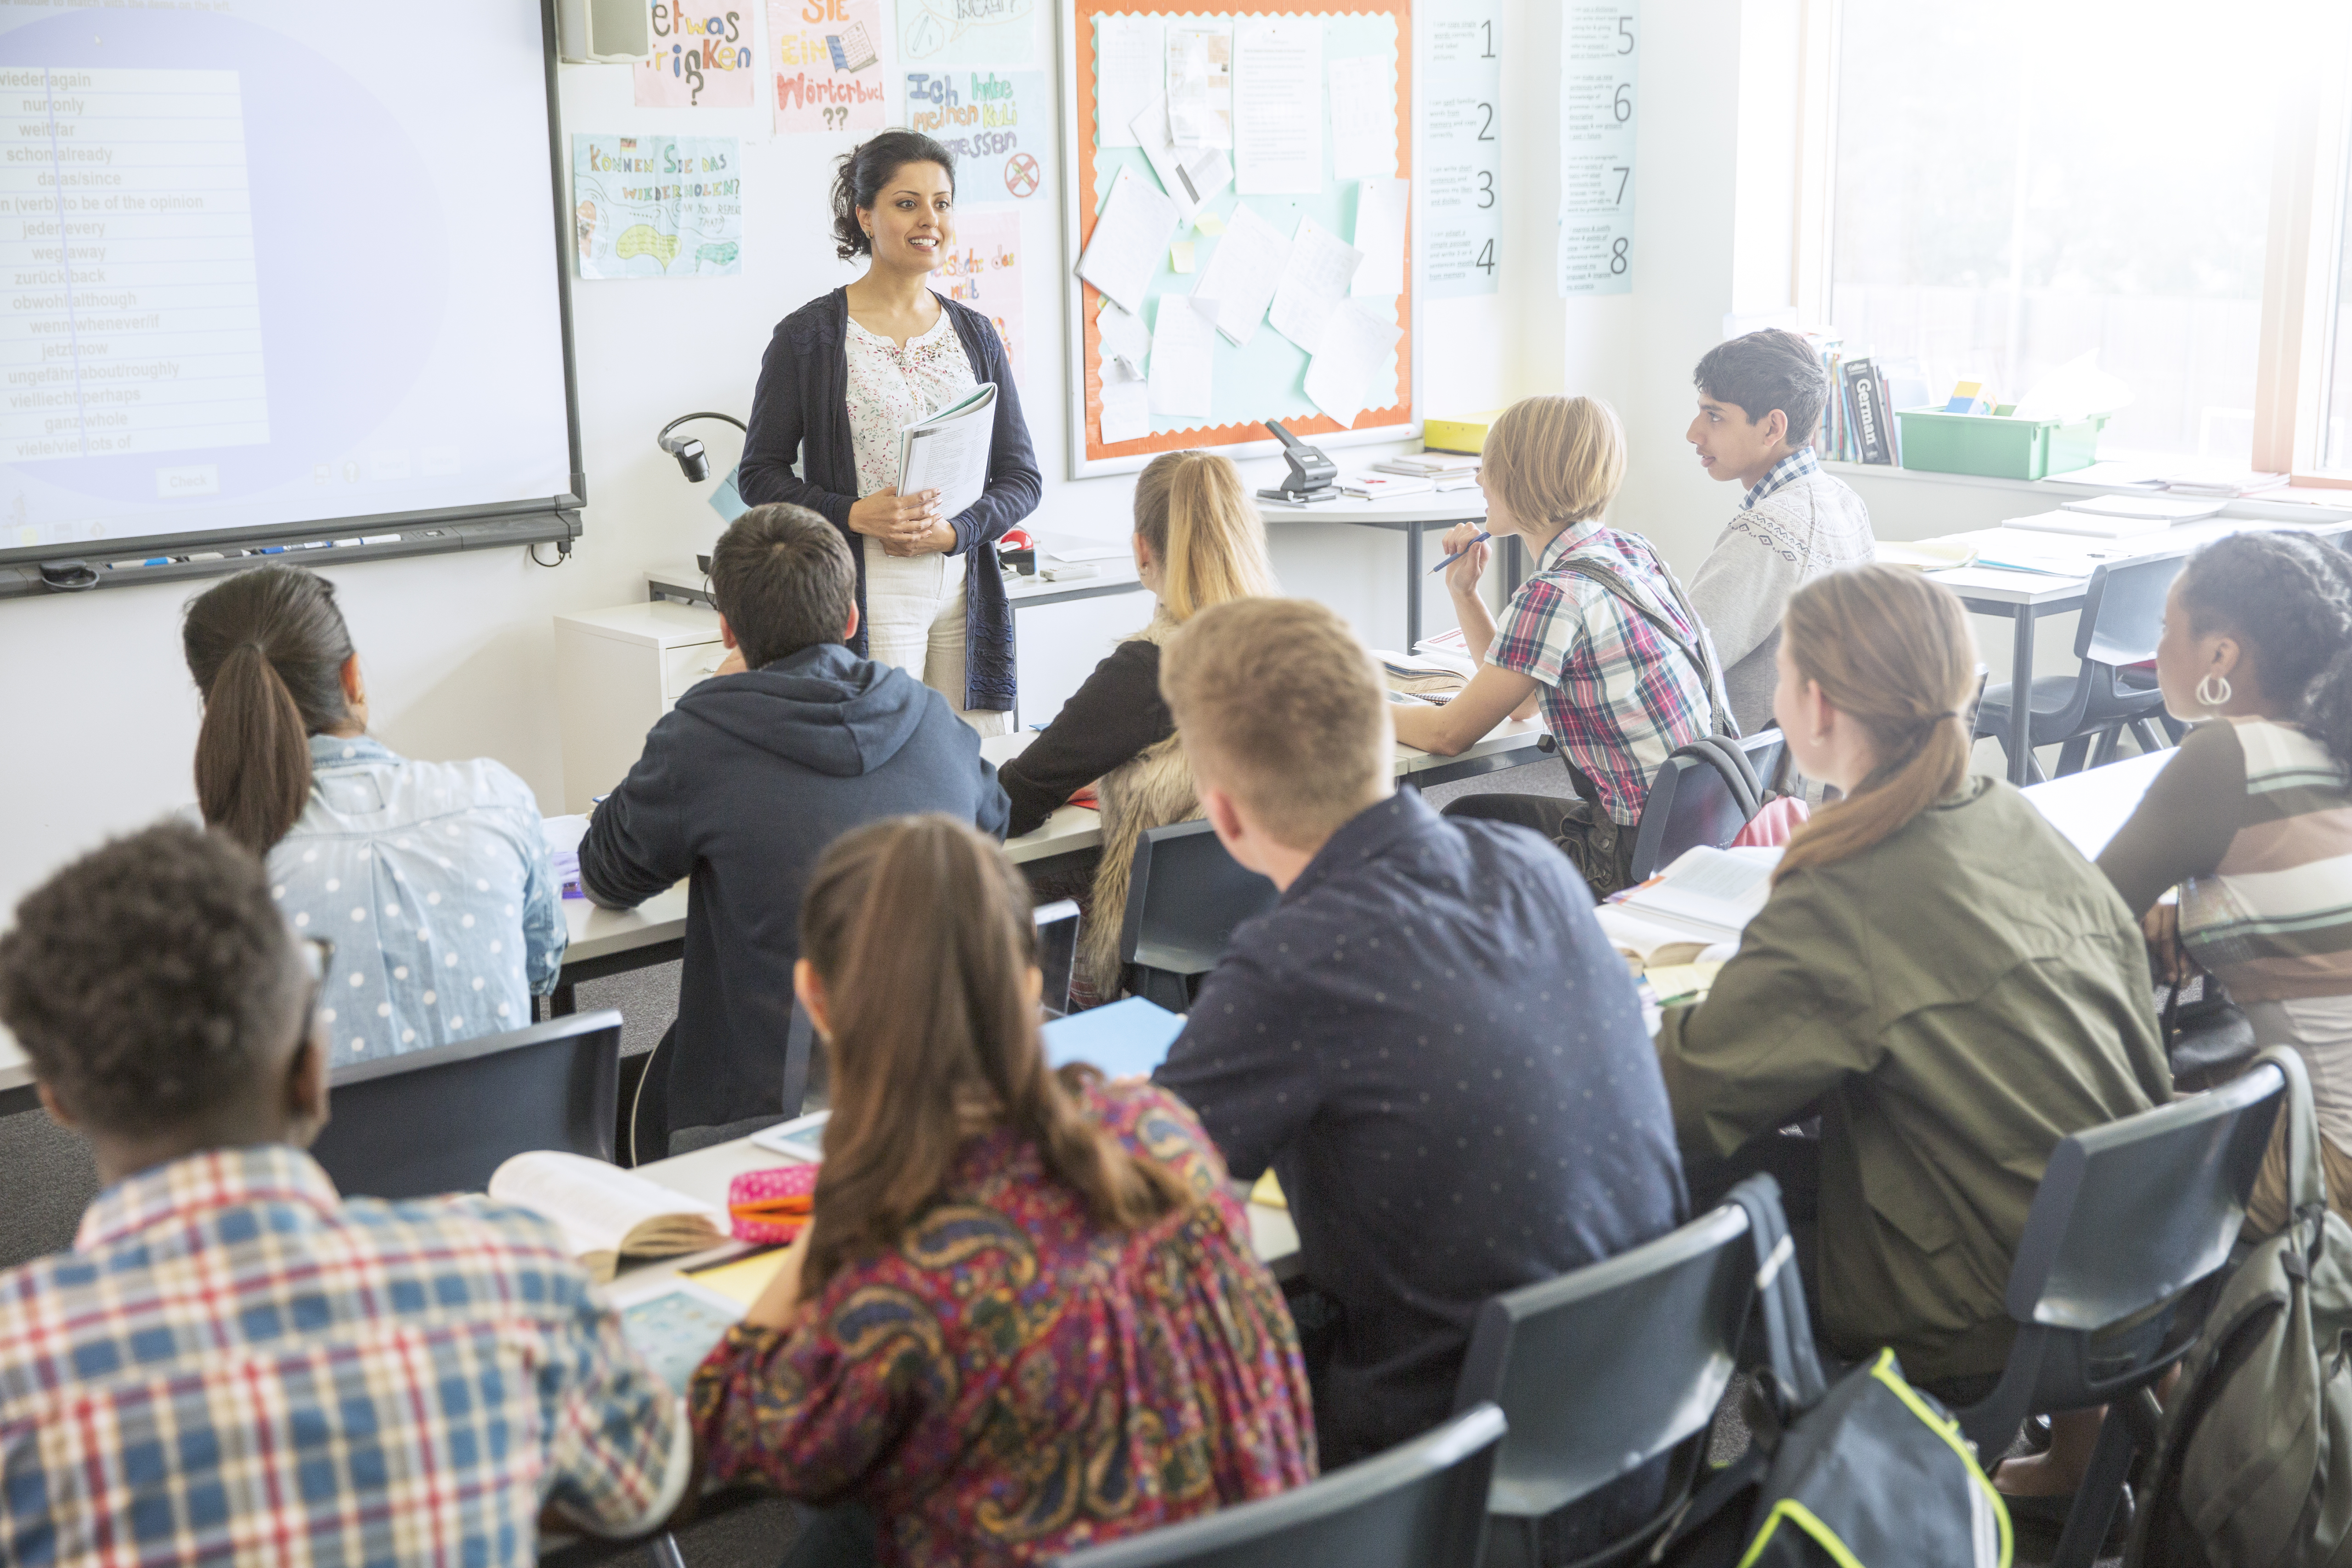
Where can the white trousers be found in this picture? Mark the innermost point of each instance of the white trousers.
(915, 614)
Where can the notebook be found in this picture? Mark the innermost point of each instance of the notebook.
(1126, 1039)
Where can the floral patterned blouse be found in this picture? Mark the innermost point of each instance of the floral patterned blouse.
(1013, 1383)
(891, 387)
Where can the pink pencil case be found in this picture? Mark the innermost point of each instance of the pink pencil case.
(765, 1207)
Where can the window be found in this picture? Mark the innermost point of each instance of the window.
(2014, 184)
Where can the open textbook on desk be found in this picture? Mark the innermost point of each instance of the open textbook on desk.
(605, 1212)
(1700, 903)
(947, 451)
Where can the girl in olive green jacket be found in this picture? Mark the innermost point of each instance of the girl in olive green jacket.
(1938, 976)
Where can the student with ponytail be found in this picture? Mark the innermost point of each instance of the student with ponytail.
(1936, 976)
(430, 878)
(1198, 542)
(2251, 819)
(1025, 1316)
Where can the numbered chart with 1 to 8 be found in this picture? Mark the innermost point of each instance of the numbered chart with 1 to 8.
(1599, 51)
(1464, 148)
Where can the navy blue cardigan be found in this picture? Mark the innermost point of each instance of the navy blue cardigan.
(801, 411)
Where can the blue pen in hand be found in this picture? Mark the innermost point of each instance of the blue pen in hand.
(1482, 537)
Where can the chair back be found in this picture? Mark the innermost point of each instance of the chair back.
(1184, 896)
(2130, 1218)
(1767, 754)
(1690, 803)
(1421, 1504)
(1057, 954)
(441, 1120)
(1601, 1370)
(2123, 608)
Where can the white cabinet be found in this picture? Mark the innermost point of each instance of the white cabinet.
(617, 671)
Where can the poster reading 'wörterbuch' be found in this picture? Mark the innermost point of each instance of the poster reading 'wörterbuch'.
(658, 206)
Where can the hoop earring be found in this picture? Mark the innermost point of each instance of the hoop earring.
(2209, 700)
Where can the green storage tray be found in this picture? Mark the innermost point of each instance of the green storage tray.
(1997, 446)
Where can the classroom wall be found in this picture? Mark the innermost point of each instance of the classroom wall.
(97, 706)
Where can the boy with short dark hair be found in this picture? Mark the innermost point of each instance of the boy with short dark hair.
(1759, 405)
(743, 785)
(234, 1364)
(1429, 1039)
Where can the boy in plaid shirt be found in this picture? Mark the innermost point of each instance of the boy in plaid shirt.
(1600, 639)
(234, 1365)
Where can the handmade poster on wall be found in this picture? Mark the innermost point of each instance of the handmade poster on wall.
(1599, 48)
(1463, 155)
(1000, 126)
(967, 32)
(829, 73)
(658, 206)
(983, 271)
(701, 61)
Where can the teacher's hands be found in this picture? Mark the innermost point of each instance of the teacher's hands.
(907, 525)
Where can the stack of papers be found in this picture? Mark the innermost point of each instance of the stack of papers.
(2169, 510)
(2054, 554)
(2100, 525)
(948, 451)
(2214, 481)
(1371, 487)
(1431, 464)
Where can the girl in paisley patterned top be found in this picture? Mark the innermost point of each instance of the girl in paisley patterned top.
(1026, 1316)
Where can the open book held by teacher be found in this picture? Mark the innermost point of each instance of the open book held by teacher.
(948, 452)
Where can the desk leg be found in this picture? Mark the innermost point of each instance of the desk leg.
(1411, 586)
(1514, 565)
(2020, 695)
(560, 1002)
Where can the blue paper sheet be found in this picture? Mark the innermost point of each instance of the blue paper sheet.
(1126, 1039)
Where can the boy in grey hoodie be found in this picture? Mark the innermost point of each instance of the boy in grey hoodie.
(1759, 402)
(746, 782)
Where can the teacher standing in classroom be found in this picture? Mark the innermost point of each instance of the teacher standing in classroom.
(842, 374)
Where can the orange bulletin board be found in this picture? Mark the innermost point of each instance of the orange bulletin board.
(1264, 380)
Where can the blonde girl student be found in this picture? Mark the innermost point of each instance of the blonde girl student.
(1601, 639)
(1198, 542)
(1936, 976)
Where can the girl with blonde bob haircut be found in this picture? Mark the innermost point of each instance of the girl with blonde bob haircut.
(1600, 639)
(1198, 542)
(1026, 1316)
(1937, 973)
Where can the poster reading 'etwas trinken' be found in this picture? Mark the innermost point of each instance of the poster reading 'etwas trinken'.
(701, 60)
(828, 64)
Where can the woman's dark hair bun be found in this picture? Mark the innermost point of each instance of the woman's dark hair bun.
(861, 173)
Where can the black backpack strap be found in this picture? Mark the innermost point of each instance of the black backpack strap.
(1696, 651)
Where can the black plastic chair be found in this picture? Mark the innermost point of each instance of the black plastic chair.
(1058, 953)
(1604, 1370)
(441, 1120)
(2132, 1223)
(1693, 798)
(1421, 1504)
(1184, 896)
(2122, 617)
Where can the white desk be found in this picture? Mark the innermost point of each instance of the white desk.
(686, 583)
(705, 1175)
(1412, 516)
(2090, 808)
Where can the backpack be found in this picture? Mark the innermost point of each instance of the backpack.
(2253, 1462)
(1865, 1472)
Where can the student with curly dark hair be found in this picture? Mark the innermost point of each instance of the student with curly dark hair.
(843, 373)
(2251, 819)
(233, 1355)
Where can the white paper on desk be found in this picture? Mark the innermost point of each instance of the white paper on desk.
(1192, 176)
(1183, 351)
(1126, 412)
(1278, 105)
(1244, 267)
(1363, 137)
(1093, 553)
(1355, 346)
(1381, 208)
(1201, 85)
(1314, 282)
(1131, 69)
(1130, 240)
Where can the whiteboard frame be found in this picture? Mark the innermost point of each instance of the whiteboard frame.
(1073, 290)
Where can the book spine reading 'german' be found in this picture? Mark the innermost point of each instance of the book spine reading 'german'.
(1867, 402)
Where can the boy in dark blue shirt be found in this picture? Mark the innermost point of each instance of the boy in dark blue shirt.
(1429, 1040)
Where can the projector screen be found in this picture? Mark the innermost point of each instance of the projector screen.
(276, 262)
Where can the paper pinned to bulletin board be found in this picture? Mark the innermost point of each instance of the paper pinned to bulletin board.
(985, 272)
(1117, 67)
(699, 61)
(828, 64)
(967, 32)
(657, 206)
